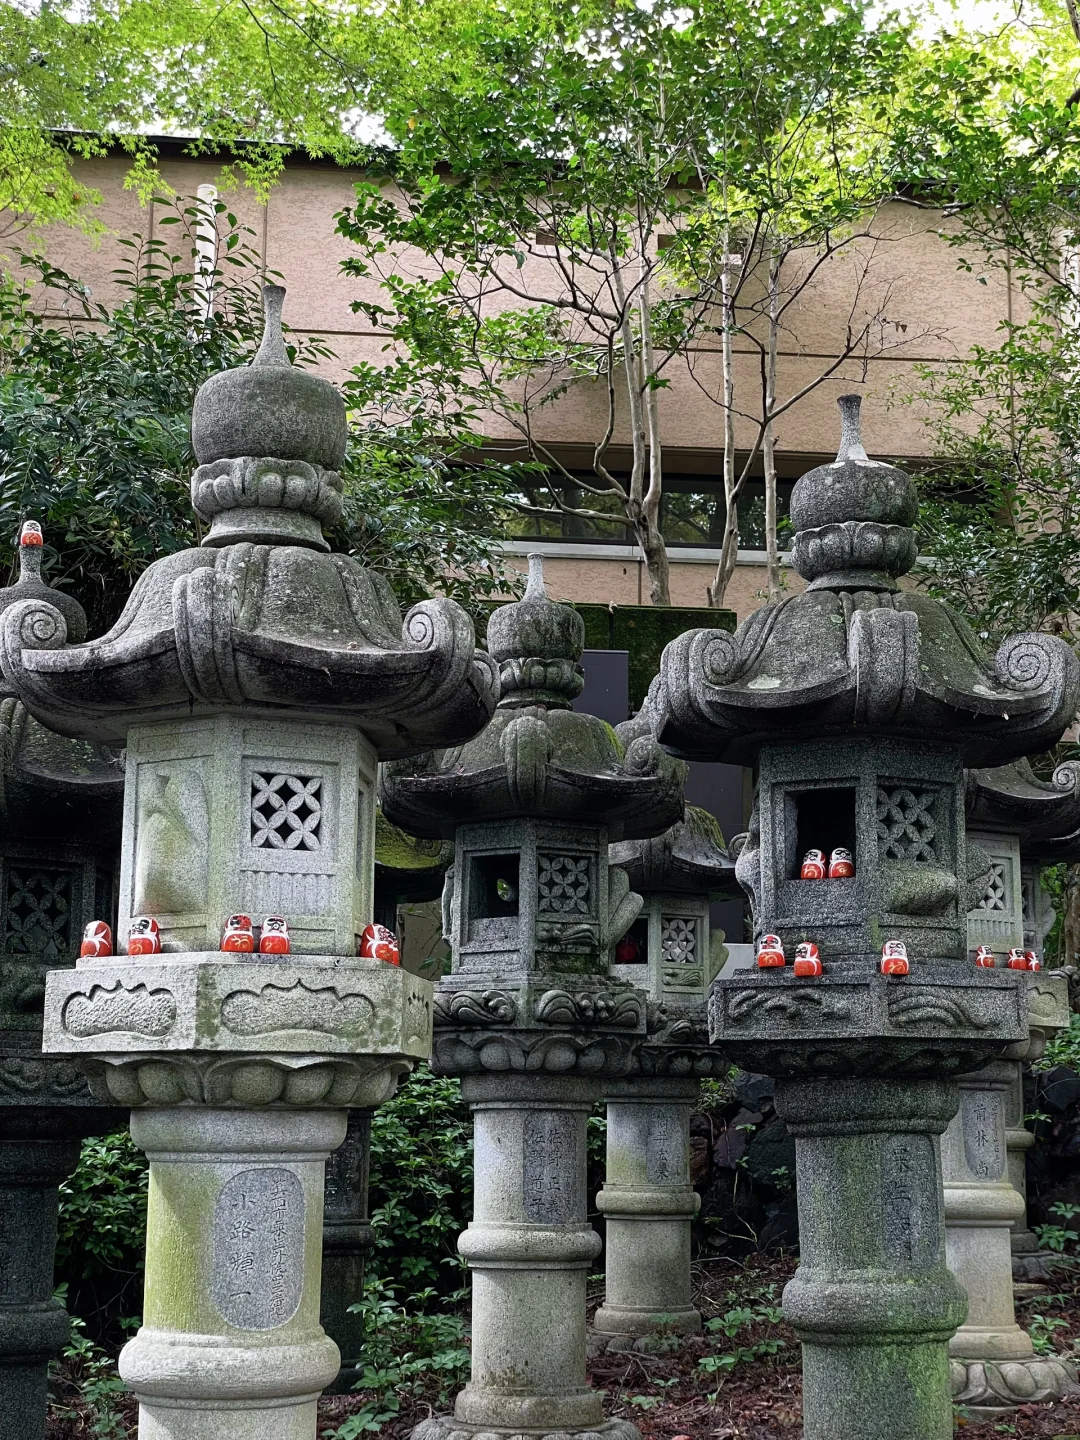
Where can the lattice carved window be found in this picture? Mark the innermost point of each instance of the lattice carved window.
(995, 898)
(563, 884)
(678, 939)
(286, 812)
(37, 912)
(906, 823)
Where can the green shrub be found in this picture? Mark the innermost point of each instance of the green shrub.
(421, 1184)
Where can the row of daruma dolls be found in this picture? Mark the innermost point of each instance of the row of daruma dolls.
(894, 958)
(239, 938)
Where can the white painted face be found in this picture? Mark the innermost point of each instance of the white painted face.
(238, 922)
(275, 925)
(143, 925)
(818, 855)
(771, 942)
(894, 950)
(806, 950)
(841, 854)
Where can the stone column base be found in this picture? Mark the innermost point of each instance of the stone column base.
(445, 1427)
(991, 1388)
(1035, 1265)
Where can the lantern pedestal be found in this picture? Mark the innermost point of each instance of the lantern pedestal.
(648, 1204)
(230, 1342)
(872, 1301)
(346, 1245)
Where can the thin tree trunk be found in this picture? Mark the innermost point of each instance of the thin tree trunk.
(1070, 924)
(649, 535)
(729, 550)
(768, 442)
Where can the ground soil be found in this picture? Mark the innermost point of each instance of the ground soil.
(668, 1395)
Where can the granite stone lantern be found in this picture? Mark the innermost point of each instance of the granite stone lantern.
(60, 807)
(532, 1017)
(256, 681)
(673, 954)
(1023, 823)
(860, 704)
(994, 1365)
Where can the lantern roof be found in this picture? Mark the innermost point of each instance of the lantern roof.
(539, 758)
(1043, 814)
(259, 618)
(52, 787)
(855, 655)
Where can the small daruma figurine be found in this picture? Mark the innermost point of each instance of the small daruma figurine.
(627, 951)
(239, 937)
(770, 955)
(97, 939)
(144, 936)
(984, 957)
(379, 943)
(31, 533)
(841, 865)
(813, 865)
(1034, 963)
(274, 938)
(807, 959)
(1017, 960)
(894, 958)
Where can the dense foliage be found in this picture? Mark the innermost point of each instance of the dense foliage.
(95, 405)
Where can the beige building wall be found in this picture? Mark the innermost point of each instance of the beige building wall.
(935, 311)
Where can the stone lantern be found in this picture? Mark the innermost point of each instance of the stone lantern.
(60, 803)
(256, 681)
(532, 1017)
(673, 954)
(860, 705)
(1011, 813)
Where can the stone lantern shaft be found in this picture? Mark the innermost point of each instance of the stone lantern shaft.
(257, 681)
(860, 705)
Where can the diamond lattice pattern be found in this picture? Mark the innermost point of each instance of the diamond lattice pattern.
(994, 897)
(286, 812)
(678, 939)
(906, 827)
(563, 884)
(37, 913)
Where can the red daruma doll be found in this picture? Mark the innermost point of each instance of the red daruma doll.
(239, 937)
(144, 936)
(274, 939)
(1034, 963)
(97, 939)
(813, 865)
(1017, 960)
(30, 534)
(770, 955)
(894, 958)
(807, 960)
(379, 943)
(984, 957)
(841, 865)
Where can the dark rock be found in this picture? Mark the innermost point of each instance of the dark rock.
(753, 1089)
(770, 1156)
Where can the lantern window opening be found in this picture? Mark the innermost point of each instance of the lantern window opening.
(824, 820)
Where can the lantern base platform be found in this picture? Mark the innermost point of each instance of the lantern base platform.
(445, 1427)
(991, 1389)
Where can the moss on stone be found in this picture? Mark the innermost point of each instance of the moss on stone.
(397, 850)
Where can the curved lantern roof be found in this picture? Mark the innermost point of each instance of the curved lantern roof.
(260, 618)
(53, 787)
(539, 758)
(1043, 814)
(853, 653)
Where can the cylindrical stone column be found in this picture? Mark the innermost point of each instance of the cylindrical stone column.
(1018, 1141)
(231, 1342)
(346, 1243)
(872, 1300)
(648, 1204)
(529, 1247)
(33, 1326)
(994, 1366)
